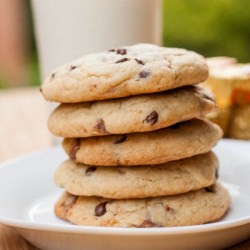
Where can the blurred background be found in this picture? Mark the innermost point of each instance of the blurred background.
(212, 28)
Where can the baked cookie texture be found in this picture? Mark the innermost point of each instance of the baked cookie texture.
(132, 119)
(193, 208)
(171, 178)
(132, 114)
(126, 71)
(172, 143)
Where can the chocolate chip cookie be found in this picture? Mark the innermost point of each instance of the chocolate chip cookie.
(175, 177)
(172, 143)
(126, 71)
(196, 207)
(132, 114)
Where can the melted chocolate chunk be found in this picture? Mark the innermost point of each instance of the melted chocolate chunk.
(210, 189)
(90, 170)
(72, 67)
(122, 60)
(101, 209)
(100, 126)
(74, 149)
(151, 118)
(147, 223)
(121, 52)
(139, 61)
(144, 74)
(121, 139)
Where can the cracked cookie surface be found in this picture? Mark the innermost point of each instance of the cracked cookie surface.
(178, 141)
(132, 114)
(193, 208)
(171, 178)
(131, 70)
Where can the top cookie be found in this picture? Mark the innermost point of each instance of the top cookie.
(132, 70)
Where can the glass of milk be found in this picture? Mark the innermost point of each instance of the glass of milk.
(68, 29)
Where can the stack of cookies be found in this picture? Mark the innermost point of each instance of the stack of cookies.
(139, 148)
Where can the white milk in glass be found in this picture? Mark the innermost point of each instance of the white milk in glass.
(68, 29)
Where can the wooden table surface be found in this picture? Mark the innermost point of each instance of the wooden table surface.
(23, 130)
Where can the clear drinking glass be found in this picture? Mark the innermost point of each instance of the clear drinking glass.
(66, 29)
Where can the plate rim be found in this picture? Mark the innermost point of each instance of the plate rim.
(214, 226)
(76, 229)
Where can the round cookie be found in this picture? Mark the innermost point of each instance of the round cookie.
(176, 142)
(171, 178)
(131, 70)
(193, 208)
(132, 114)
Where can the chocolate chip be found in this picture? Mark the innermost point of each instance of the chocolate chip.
(120, 139)
(210, 189)
(139, 61)
(53, 76)
(216, 173)
(74, 149)
(90, 170)
(111, 50)
(100, 126)
(72, 67)
(152, 118)
(175, 126)
(101, 209)
(207, 97)
(144, 74)
(40, 89)
(147, 223)
(169, 209)
(121, 52)
(122, 60)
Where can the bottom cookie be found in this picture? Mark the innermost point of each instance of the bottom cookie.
(193, 208)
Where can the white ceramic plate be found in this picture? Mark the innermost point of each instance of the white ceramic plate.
(27, 195)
